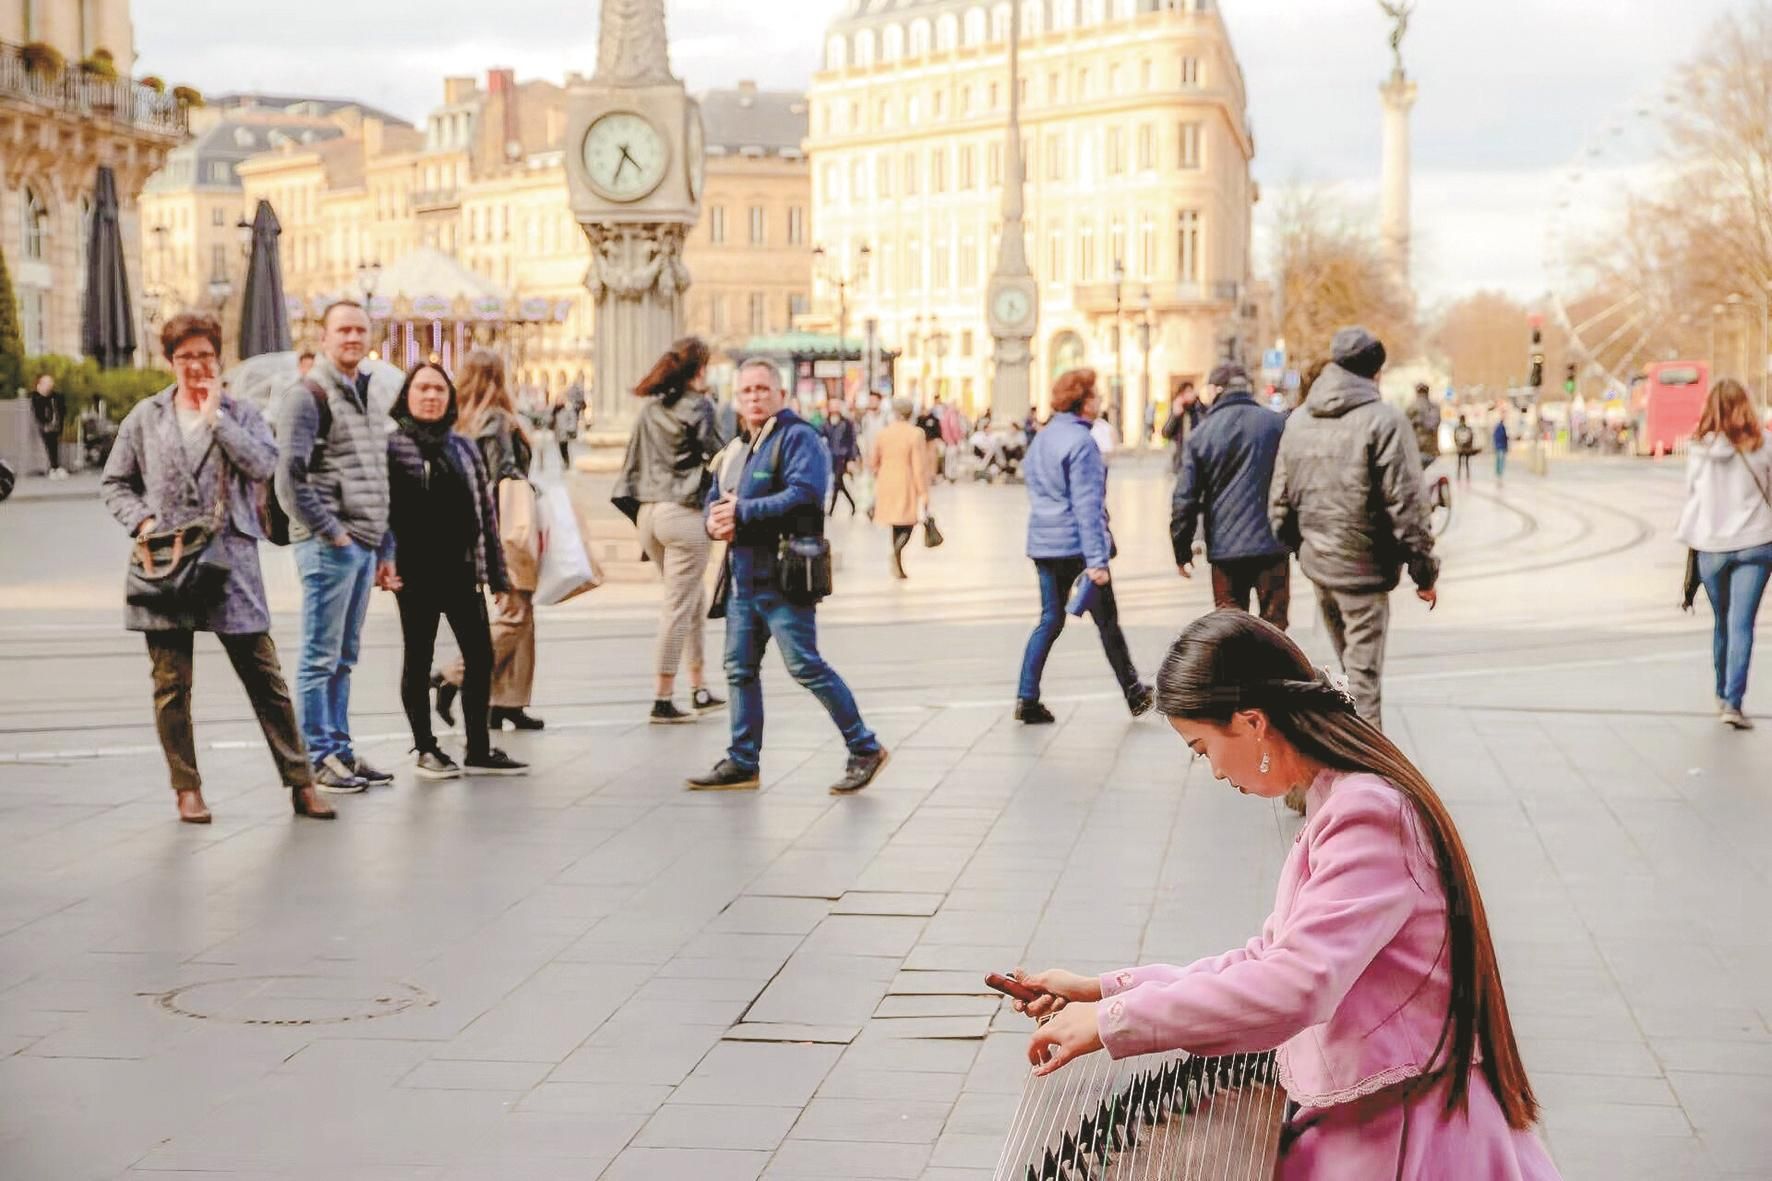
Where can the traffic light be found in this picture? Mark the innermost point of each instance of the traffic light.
(1569, 379)
(1536, 380)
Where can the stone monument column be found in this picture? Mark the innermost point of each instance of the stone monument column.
(1398, 95)
(634, 174)
(1012, 297)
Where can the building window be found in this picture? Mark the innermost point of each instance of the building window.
(883, 176)
(1055, 255)
(1147, 246)
(796, 306)
(965, 100)
(968, 261)
(968, 166)
(1190, 71)
(940, 260)
(993, 165)
(36, 225)
(1117, 240)
(34, 313)
(218, 262)
(796, 225)
(913, 265)
(759, 314)
(1116, 150)
(1082, 89)
(717, 314)
(1147, 147)
(1187, 246)
(1187, 155)
(858, 180)
(758, 237)
(993, 96)
(1144, 75)
(910, 174)
(1085, 254)
(966, 343)
(938, 170)
(1114, 78)
(717, 224)
(216, 217)
(938, 104)
(1054, 156)
(1053, 87)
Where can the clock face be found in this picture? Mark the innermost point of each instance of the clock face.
(1011, 305)
(625, 156)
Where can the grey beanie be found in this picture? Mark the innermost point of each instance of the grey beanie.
(1357, 351)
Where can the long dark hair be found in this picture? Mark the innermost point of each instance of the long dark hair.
(401, 411)
(1229, 661)
(671, 374)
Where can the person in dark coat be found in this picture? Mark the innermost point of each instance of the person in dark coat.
(180, 456)
(1226, 469)
(1184, 415)
(441, 548)
(845, 448)
(49, 407)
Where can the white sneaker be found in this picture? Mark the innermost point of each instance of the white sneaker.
(1737, 719)
(333, 775)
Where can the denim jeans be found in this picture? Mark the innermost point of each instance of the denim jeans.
(1056, 576)
(335, 586)
(753, 615)
(1734, 582)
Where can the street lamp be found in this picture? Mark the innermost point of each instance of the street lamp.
(1144, 344)
(243, 235)
(220, 288)
(368, 278)
(834, 273)
(1119, 360)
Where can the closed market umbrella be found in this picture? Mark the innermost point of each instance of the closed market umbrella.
(264, 315)
(107, 328)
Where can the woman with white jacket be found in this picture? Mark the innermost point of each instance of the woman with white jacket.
(1728, 521)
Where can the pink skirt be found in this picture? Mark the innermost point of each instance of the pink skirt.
(1472, 1145)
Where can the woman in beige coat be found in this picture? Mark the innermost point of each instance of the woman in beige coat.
(900, 464)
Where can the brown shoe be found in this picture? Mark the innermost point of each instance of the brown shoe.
(307, 802)
(191, 809)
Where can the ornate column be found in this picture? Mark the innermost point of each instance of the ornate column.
(1012, 296)
(1398, 95)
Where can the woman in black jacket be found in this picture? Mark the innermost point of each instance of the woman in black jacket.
(440, 549)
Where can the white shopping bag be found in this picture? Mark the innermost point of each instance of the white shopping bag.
(567, 568)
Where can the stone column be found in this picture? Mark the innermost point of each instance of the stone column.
(1398, 94)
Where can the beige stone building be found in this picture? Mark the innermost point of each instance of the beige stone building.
(57, 125)
(472, 211)
(1137, 149)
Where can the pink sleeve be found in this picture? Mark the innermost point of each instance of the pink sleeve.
(1113, 983)
(1358, 895)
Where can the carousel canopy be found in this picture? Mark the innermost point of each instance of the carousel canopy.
(427, 272)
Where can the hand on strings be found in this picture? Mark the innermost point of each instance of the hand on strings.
(1066, 1036)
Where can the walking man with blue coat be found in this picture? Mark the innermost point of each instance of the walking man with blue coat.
(1227, 467)
(768, 490)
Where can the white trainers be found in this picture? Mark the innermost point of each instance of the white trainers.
(1736, 719)
(335, 776)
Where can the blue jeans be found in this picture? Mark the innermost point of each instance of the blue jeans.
(1056, 576)
(335, 586)
(1734, 582)
(751, 619)
(1500, 464)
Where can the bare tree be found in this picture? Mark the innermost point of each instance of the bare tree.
(1331, 275)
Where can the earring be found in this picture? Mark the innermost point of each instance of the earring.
(1264, 762)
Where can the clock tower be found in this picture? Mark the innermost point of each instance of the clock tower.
(634, 175)
(1012, 299)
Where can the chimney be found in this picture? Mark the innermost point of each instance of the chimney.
(501, 88)
(747, 92)
(457, 90)
(372, 138)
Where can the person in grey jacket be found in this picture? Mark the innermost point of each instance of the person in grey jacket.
(1347, 498)
(333, 483)
(180, 456)
(663, 479)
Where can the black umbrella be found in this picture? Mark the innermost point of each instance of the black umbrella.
(264, 315)
(107, 330)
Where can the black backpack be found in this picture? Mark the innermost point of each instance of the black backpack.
(276, 520)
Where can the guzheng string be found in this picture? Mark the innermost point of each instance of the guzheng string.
(1159, 1117)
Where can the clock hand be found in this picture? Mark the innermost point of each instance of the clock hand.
(621, 164)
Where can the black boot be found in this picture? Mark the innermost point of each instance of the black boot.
(518, 719)
(446, 694)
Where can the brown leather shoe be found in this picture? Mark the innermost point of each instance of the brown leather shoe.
(307, 802)
(191, 809)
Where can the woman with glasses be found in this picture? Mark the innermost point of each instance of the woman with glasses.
(178, 457)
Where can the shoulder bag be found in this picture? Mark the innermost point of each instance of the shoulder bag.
(181, 573)
(803, 568)
(275, 519)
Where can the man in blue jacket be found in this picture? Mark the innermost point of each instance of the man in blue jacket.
(766, 490)
(1226, 468)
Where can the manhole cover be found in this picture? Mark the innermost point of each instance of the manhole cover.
(294, 1000)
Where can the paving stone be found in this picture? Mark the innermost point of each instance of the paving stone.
(689, 1125)
(828, 1159)
(862, 902)
(938, 1005)
(895, 1121)
(685, 1164)
(757, 1031)
(758, 1074)
(450, 1075)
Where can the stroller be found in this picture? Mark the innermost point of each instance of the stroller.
(998, 453)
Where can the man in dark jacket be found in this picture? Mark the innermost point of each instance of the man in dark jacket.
(1226, 468)
(767, 491)
(49, 406)
(1347, 496)
(1184, 415)
(840, 438)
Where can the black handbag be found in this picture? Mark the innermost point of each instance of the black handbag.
(803, 570)
(181, 573)
(931, 534)
(1689, 589)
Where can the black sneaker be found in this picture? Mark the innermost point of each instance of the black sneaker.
(446, 694)
(1138, 699)
(1032, 713)
(726, 776)
(666, 713)
(860, 773)
(368, 774)
(494, 762)
(434, 764)
(703, 701)
(335, 776)
(518, 719)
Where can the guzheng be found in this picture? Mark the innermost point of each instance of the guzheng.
(1158, 1117)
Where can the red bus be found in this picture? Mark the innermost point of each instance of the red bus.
(1669, 401)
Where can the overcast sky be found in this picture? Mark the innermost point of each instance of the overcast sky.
(1510, 90)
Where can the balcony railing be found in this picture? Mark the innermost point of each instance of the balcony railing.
(76, 92)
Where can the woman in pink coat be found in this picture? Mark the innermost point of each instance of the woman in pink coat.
(1375, 976)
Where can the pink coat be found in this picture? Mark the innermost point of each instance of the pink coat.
(1350, 979)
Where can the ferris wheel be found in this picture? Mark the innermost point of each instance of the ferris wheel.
(1609, 300)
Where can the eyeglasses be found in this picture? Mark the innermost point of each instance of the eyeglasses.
(195, 358)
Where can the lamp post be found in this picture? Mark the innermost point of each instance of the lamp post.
(833, 272)
(1144, 344)
(368, 279)
(220, 289)
(1119, 358)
